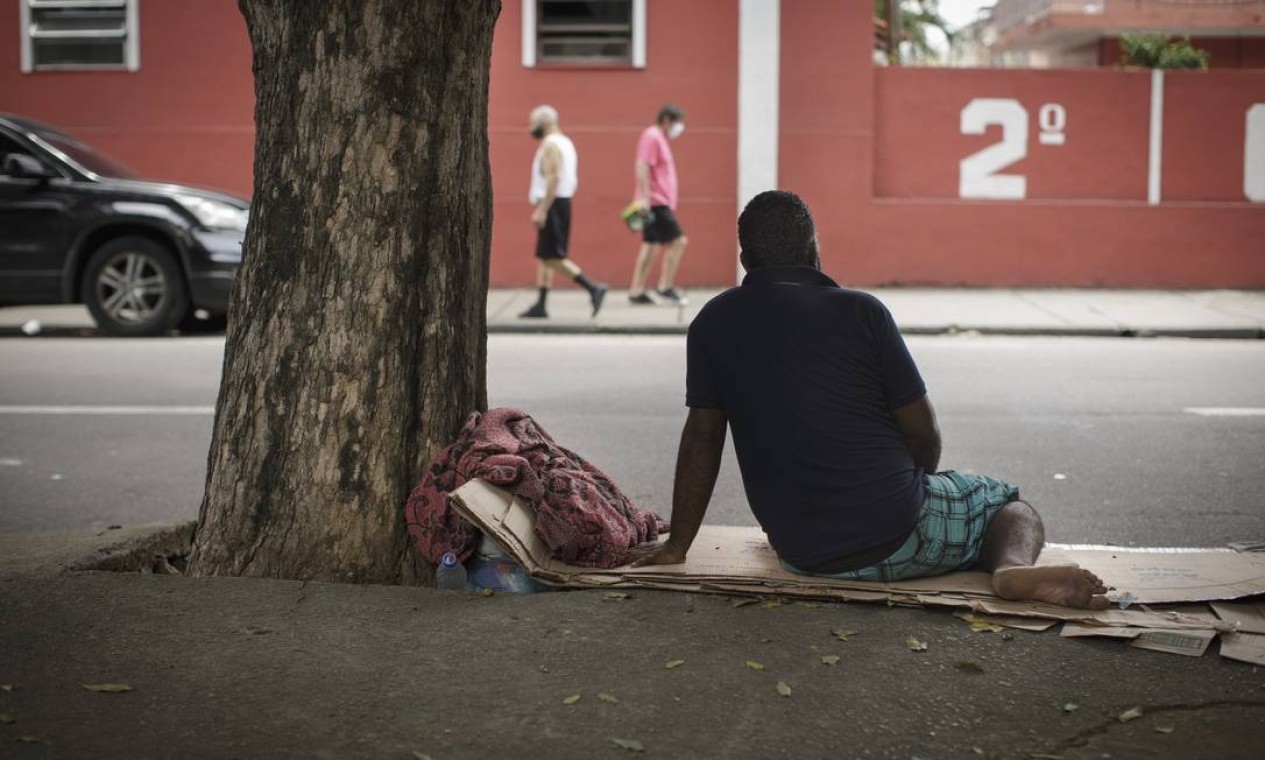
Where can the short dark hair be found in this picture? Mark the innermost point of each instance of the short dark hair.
(670, 111)
(776, 229)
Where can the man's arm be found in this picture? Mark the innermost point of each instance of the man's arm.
(697, 465)
(917, 425)
(549, 165)
(643, 183)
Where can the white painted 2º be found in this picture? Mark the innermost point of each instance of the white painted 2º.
(979, 174)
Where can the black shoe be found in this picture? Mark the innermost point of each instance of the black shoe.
(672, 295)
(597, 296)
(642, 300)
(537, 311)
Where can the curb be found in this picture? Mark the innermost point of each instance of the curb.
(1195, 333)
(1206, 333)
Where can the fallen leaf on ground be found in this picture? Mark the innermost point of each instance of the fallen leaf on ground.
(107, 688)
(843, 633)
(915, 645)
(617, 595)
(979, 626)
(488, 592)
(830, 659)
(967, 666)
(755, 665)
(1133, 713)
(571, 699)
(1163, 729)
(783, 688)
(632, 745)
(772, 604)
(673, 664)
(743, 602)
(29, 738)
(421, 755)
(607, 697)
(6, 719)
(7, 687)
(1071, 707)
(544, 668)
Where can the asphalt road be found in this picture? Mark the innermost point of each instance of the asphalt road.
(96, 432)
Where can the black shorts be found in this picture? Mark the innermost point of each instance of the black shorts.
(663, 229)
(551, 240)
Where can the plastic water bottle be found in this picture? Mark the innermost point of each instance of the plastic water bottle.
(451, 574)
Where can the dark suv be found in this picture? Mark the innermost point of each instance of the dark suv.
(76, 227)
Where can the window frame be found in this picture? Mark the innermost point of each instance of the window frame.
(531, 42)
(131, 35)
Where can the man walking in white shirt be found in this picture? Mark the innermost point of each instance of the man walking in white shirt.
(554, 179)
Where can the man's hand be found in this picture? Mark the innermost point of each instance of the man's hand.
(655, 553)
(538, 216)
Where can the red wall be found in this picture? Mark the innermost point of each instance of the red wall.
(876, 152)
(918, 143)
(1204, 131)
(1085, 221)
(692, 55)
(186, 115)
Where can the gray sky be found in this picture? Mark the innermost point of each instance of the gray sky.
(960, 12)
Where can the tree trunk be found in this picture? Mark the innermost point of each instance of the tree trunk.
(357, 334)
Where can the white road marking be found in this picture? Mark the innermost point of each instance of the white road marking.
(1226, 411)
(108, 410)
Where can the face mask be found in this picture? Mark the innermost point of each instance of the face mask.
(675, 130)
(537, 131)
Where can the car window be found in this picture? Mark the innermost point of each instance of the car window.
(85, 155)
(9, 145)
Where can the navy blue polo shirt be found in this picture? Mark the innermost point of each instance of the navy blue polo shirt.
(808, 374)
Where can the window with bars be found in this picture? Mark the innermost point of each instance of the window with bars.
(607, 32)
(79, 34)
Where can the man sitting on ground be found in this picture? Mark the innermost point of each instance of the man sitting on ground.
(836, 438)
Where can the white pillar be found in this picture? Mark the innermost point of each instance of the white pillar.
(1155, 155)
(759, 57)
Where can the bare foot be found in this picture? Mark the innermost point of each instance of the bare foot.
(1065, 585)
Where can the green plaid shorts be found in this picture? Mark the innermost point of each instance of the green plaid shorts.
(949, 532)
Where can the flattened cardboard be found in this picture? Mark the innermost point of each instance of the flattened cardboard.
(1245, 647)
(1246, 617)
(1168, 576)
(1008, 621)
(1188, 643)
(1078, 631)
(739, 560)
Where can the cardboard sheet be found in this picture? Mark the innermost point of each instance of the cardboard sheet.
(738, 560)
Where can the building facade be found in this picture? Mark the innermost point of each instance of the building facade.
(1073, 33)
(916, 176)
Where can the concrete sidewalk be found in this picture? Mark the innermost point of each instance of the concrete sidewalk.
(918, 311)
(240, 668)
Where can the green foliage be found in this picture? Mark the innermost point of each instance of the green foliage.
(1159, 51)
(917, 18)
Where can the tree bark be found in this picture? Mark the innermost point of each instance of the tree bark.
(357, 333)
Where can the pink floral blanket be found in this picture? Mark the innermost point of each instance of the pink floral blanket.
(581, 515)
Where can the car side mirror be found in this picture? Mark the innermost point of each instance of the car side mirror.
(19, 166)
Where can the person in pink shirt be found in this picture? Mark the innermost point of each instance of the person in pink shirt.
(656, 195)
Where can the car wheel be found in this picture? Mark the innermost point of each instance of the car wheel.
(133, 286)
